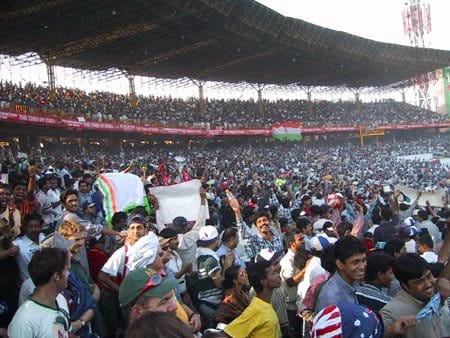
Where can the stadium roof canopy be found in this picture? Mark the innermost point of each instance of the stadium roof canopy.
(211, 40)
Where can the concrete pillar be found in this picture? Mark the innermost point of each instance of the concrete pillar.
(201, 98)
(51, 80)
(260, 102)
(132, 91)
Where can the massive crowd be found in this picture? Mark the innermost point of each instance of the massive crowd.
(301, 240)
(227, 114)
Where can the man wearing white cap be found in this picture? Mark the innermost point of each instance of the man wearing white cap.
(210, 273)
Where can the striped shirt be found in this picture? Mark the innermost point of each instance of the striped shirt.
(208, 267)
(257, 242)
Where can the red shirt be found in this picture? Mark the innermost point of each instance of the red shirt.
(97, 258)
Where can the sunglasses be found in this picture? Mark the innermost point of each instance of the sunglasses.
(152, 282)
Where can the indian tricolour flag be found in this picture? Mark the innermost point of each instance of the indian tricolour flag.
(289, 131)
(121, 191)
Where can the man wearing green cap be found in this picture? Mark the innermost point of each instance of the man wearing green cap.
(145, 290)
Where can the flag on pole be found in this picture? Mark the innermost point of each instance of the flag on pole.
(121, 191)
(287, 131)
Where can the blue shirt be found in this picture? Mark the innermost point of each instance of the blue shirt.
(336, 290)
(222, 251)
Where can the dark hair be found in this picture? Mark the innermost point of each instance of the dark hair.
(284, 222)
(295, 214)
(289, 236)
(302, 223)
(409, 266)
(348, 246)
(42, 181)
(158, 325)
(422, 214)
(229, 276)
(273, 209)
(45, 263)
(285, 202)
(21, 182)
(386, 213)
(300, 258)
(66, 193)
(315, 209)
(376, 218)
(343, 227)
(379, 262)
(229, 234)
(327, 259)
(5, 186)
(436, 269)
(117, 217)
(261, 213)
(393, 246)
(425, 239)
(256, 273)
(323, 209)
(32, 217)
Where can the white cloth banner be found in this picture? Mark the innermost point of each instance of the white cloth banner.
(178, 200)
(434, 197)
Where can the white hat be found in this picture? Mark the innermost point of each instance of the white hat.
(208, 233)
(267, 255)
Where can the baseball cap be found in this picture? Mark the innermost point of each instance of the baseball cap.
(144, 282)
(347, 321)
(168, 233)
(208, 233)
(179, 223)
(268, 256)
(87, 204)
(328, 226)
(138, 218)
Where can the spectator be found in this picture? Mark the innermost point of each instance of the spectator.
(350, 260)
(291, 277)
(145, 290)
(234, 299)
(259, 318)
(230, 241)
(158, 325)
(418, 286)
(424, 247)
(46, 312)
(378, 275)
(210, 273)
(28, 243)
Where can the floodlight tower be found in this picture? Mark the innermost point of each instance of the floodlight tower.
(417, 27)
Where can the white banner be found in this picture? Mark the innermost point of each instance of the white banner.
(178, 200)
(434, 197)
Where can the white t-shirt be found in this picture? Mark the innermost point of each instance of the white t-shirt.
(26, 290)
(26, 250)
(34, 320)
(175, 264)
(54, 197)
(288, 270)
(313, 269)
(410, 246)
(430, 256)
(115, 264)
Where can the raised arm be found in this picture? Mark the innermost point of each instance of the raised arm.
(201, 218)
